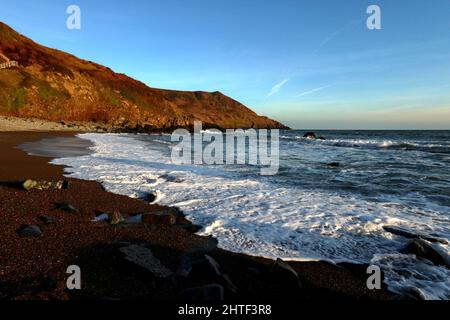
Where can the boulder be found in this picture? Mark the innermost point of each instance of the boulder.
(212, 292)
(101, 217)
(407, 233)
(334, 164)
(285, 274)
(414, 293)
(310, 135)
(116, 218)
(159, 218)
(422, 249)
(144, 258)
(148, 197)
(192, 228)
(47, 219)
(177, 212)
(207, 268)
(29, 231)
(45, 185)
(66, 207)
(206, 246)
(134, 219)
(170, 178)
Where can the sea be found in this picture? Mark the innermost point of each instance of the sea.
(310, 210)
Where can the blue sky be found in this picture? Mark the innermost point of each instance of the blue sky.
(309, 64)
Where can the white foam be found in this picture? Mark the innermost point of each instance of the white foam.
(370, 143)
(259, 218)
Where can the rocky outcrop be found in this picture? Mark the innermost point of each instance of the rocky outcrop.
(407, 233)
(310, 135)
(144, 258)
(52, 85)
(424, 250)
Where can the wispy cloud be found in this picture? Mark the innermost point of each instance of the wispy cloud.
(306, 93)
(337, 32)
(276, 88)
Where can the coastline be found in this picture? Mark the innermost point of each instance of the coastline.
(15, 124)
(35, 268)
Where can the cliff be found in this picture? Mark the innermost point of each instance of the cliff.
(53, 85)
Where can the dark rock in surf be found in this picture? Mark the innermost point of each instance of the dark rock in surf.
(334, 164)
(310, 135)
(286, 275)
(148, 197)
(176, 212)
(414, 294)
(401, 231)
(422, 249)
(170, 178)
(27, 230)
(190, 227)
(212, 292)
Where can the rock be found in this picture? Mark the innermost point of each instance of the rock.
(204, 247)
(400, 231)
(212, 292)
(170, 178)
(284, 273)
(45, 185)
(47, 219)
(66, 207)
(29, 231)
(334, 164)
(192, 228)
(134, 219)
(116, 218)
(101, 217)
(414, 294)
(207, 268)
(357, 269)
(310, 135)
(422, 249)
(160, 218)
(144, 257)
(176, 212)
(148, 197)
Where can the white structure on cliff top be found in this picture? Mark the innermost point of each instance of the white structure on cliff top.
(8, 63)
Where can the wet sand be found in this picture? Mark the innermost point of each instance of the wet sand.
(35, 268)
